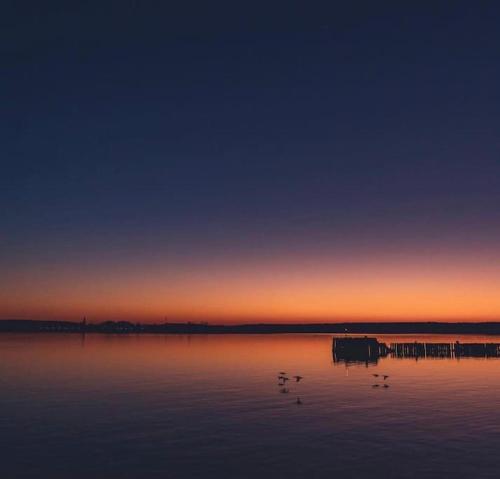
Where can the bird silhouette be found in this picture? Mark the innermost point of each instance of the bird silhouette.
(385, 376)
(375, 385)
(285, 378)
(282, 373)
(297, 378)
(386, 385)
(375, 375)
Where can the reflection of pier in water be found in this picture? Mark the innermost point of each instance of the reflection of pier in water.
(370, 350)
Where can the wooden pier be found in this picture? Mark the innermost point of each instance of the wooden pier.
(370, 350)
(445, 350)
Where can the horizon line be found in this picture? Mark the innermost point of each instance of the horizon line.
(262, 323)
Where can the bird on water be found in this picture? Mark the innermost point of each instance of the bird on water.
(297, 378)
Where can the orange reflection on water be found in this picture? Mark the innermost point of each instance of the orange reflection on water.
(198, 360)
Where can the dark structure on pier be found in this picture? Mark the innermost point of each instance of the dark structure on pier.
(358, 350)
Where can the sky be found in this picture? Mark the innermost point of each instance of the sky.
(238, 162)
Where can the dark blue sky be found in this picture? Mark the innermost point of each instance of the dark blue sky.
(126, 127)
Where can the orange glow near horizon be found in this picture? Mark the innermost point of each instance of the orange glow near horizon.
(285, 288)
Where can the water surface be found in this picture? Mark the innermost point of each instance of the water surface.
(146, 406)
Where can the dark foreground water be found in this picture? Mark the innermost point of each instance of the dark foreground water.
(210, 406)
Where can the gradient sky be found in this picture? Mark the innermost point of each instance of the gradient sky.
(235, 162)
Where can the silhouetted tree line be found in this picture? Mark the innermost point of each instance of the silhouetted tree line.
(124, 327)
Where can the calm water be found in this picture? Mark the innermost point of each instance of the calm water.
(210, 406)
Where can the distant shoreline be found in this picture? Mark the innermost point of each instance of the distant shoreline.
(125, 327)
